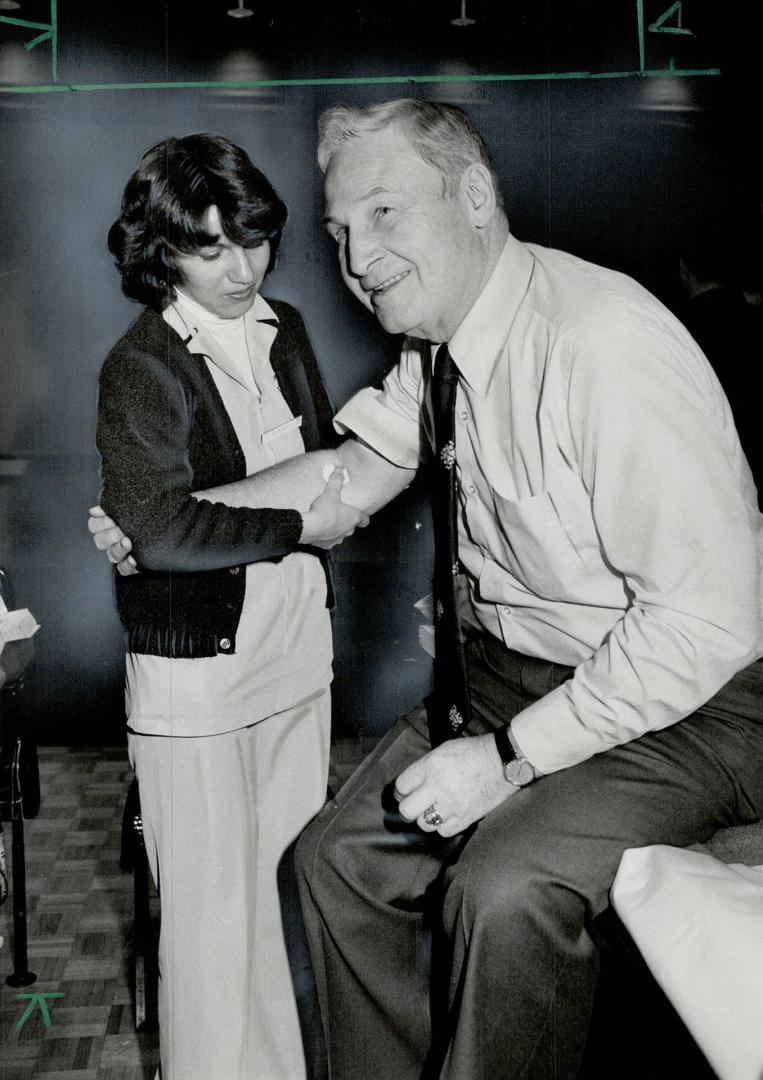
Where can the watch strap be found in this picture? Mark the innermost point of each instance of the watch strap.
(503, 743)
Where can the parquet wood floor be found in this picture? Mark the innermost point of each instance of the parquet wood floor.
(80, 907)
(79, 928)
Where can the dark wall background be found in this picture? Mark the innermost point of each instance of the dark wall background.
(622, 170)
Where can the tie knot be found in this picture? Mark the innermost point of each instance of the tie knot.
(445, 367)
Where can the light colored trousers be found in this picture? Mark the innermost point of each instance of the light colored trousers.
(218, 814)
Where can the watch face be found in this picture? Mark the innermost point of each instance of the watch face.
(519, 772)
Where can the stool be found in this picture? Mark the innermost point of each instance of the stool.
(133, 860)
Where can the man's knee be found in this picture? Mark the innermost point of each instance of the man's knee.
(503, 887)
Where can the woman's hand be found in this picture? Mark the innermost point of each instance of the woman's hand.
(108, 537)
(329, 521)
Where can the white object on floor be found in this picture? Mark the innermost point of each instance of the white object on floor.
(698, 923)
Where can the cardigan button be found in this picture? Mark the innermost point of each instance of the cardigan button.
(224, 643)
(234, 569)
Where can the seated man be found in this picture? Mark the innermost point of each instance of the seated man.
(594, 502)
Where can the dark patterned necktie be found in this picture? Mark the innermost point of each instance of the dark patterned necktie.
(449, 704)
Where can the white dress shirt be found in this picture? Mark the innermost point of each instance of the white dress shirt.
(283, 641)
(608, 515)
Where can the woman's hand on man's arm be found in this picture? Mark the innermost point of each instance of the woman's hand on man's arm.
(311, 483)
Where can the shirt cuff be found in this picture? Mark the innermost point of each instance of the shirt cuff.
(389, 433)
(519, 751)
(550, 737)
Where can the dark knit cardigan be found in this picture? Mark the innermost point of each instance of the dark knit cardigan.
(163, 432)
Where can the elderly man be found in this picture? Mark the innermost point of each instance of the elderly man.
(608, 538)
(598, 618)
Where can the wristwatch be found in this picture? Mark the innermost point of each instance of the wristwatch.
(516, 768)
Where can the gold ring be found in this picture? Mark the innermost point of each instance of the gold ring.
(431, 816)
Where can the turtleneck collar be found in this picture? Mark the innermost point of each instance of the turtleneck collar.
(201, 317)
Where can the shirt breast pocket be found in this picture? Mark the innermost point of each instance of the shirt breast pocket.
(535, 546)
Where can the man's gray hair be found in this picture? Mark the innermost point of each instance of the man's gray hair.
(442, 135)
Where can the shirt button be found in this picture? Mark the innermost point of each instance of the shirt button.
(464, 415)
(472, 489)
(233, 569)
(507, 610)
(224, 642)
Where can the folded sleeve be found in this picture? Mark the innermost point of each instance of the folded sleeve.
(145, 415)
(390, 419)
(674, 509)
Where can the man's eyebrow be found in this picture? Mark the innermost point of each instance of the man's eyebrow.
(380, 189)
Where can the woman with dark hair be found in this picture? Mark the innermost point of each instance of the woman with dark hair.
(165, 206)
(229, 660)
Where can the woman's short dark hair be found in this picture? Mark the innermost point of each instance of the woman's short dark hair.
(164, 205)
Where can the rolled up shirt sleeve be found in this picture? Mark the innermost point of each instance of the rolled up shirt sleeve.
(390, 420)
(660, 459)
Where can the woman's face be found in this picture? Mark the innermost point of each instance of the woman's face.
(223, 277)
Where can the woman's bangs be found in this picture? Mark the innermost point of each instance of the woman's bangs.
(187, 231)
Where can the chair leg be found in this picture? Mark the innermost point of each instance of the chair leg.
(142, 934)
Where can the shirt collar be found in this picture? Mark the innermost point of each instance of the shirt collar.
(260, 311)
(225, 342)
(479, 341)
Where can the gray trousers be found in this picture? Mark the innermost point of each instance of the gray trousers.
(470, 958)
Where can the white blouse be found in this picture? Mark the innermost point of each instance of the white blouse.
(283, 642)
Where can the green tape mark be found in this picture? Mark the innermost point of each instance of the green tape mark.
(37, 998)
(659, 73)
(50, 33)
(25, 23)
(369, 81)
(54, 39)
(46, 36)
(658, 26)
(640, 24)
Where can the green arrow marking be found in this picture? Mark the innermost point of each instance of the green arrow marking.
(661, 26)
(37, 998)
(47, 36)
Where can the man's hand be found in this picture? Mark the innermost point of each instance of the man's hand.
(108, 537)
(329, 520)
(462, 779)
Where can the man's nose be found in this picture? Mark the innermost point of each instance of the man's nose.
(361, 252)
(240, 269)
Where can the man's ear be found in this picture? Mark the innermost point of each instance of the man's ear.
(479, 193)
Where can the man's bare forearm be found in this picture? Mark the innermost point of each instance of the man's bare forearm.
(290, 485)
(372, 481)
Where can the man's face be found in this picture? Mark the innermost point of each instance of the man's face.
(224, 277)
(409, 254)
